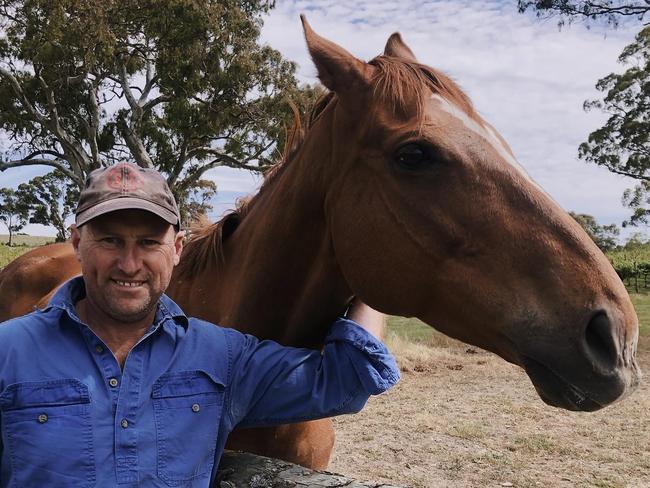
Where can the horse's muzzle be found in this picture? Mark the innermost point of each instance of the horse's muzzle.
(596, 373)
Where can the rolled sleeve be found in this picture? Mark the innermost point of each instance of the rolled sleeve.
(274, 384)
(374, 364)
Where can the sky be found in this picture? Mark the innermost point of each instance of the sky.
(527, 77)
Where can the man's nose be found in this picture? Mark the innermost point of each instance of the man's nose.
(130, 261)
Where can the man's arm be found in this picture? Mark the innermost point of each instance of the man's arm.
(273, 384)
(367, 318)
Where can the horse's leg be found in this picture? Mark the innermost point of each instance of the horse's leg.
(306, 443)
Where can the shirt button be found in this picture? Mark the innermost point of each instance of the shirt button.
(113, 382)
(124, 423)
(196, 407)
(99, 348)
(42, 418)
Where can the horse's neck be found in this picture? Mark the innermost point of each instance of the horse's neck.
(280, 279)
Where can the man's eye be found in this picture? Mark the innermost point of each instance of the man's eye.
(111, 241)
(149, 242)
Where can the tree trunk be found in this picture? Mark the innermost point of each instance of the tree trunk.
(244, 470)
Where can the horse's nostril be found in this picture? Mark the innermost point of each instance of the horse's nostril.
(601, 342)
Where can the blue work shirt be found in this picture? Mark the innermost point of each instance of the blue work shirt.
(70, 417)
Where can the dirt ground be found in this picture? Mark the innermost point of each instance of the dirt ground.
(464, 418)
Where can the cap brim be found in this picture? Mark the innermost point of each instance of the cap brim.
(126, 203)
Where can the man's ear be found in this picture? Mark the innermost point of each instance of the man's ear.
(178, 246)
(75, 237)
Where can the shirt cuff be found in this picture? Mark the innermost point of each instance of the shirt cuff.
(374, 364)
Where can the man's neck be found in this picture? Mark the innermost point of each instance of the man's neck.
(120, 337)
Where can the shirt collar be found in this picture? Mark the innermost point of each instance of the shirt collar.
(74, 290)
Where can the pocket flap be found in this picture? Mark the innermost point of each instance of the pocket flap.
(44, 393)
(185, 383)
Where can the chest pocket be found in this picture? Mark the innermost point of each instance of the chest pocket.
(48, 433)
(187, 410)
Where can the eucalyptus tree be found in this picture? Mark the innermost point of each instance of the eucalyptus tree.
(14, 214)
(50, 200)
(180, 85)
(622, 145)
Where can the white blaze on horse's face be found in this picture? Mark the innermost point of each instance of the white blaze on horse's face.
(485, 131)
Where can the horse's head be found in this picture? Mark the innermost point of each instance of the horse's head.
(431, 216)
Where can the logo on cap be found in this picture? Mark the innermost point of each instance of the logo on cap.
(123, 178)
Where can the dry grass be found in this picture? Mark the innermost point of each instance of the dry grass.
(22, 244)
(25, 240)
(460, 419)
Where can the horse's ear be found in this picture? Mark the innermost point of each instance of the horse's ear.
(337, 69)
(397, 48)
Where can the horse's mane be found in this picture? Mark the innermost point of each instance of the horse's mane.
(396, 82)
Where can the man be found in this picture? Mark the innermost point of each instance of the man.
(112, 385)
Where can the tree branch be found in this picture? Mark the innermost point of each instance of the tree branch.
(93, 125)
(55, 163)
(75, 154)
(151, 80)
(221, 160)
(126, 89)
(18, 91)
(631, 175)
(155, 101)
(51, 104)
(129, 131)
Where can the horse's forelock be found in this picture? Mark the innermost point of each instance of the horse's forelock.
(400, 82)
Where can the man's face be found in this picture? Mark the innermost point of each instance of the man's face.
(127, 258)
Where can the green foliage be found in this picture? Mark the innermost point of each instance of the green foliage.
(622, 145)
(51, 199)
(610, 11)
(632, 262)
(181, 85)
(13, 212)
(197, 201)
(603, 235)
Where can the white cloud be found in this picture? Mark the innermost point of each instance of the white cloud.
(233, 180)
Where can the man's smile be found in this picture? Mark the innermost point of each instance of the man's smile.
(129, 283)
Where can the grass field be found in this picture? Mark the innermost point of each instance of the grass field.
(21, 244)
(24, 240)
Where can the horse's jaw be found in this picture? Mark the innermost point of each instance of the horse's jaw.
(556, 391)
(580, 374)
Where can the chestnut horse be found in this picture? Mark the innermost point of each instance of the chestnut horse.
(399, 193)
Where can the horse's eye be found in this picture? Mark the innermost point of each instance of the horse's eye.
(412, 156)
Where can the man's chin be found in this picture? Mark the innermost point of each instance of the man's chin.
(131, 312)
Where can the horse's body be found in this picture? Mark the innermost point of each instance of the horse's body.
(400, 194)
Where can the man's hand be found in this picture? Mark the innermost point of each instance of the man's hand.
(368, 318)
